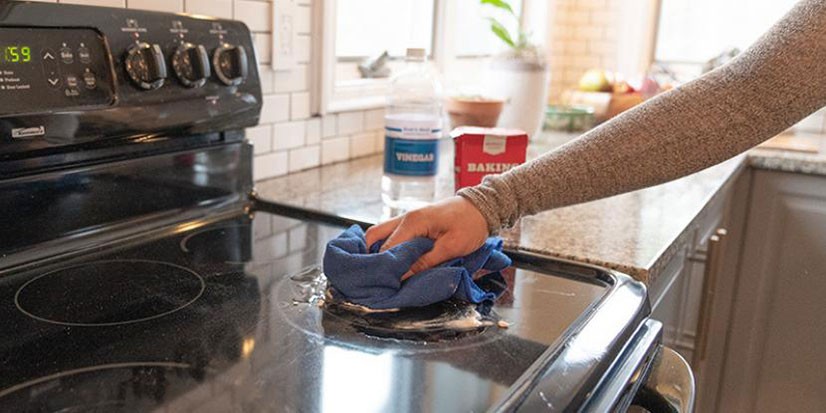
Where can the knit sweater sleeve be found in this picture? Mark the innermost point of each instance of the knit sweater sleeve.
(772, 85)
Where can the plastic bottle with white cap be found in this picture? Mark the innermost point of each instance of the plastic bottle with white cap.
(412, 126)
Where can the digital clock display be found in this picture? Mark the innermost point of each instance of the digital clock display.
(15, 54)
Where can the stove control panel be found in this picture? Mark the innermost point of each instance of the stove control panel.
(47, 69)
(71, 73)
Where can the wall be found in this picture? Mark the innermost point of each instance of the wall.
(615, 35)
(582, 35)
(288, 138)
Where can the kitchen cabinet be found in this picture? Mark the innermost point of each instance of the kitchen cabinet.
(677, 299)
(774, 360)
(695, 301)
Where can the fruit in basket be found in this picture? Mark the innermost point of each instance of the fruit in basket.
(595, 80)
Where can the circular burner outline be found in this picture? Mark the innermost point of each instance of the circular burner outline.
(17, 387)
(186, 239)
(182, 245)
(110, 324)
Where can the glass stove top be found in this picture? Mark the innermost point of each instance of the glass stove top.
(205, 317)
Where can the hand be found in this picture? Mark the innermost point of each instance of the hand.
(456, 226)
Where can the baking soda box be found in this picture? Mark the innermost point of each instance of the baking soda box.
(485, 151)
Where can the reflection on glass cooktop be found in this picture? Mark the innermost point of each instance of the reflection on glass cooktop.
(206, 317)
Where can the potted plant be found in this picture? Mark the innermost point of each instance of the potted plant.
(520, 75)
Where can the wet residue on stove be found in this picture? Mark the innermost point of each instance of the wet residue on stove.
(449, 320)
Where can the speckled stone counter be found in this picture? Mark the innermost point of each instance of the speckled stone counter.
(635, 233)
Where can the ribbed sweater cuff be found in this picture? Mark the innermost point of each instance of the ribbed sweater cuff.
(493, 200)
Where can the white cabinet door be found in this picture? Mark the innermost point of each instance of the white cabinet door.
(776, 356)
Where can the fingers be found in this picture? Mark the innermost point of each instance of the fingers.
(443, 250)
(381, 231)
(412, 225)
(411, 251)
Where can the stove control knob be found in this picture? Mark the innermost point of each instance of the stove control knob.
(191, 64)
(146, 66)
(230, 63)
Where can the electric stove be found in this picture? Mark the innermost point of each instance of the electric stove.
(138, 272)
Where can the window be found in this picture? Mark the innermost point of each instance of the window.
(471, 30)
(692, 32)
(368, 27)
(455, 33)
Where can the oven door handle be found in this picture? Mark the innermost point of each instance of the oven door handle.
(669, 386)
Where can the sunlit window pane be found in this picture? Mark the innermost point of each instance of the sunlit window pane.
(369, 27)
(472, 29)
(698, 30)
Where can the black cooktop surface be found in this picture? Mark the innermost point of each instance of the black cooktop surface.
(216, 316)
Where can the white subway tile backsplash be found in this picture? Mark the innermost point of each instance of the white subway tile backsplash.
(215, 8)
(265, 73)
(328, 125)
(295, 80)
(104, 3)
(288, 135)
(303, 158)
(263, 47)
(374, 119)
(313, 131)
(269, 165)
(362, 144)
(174, 6)
(256, 14)
(350, 122)
(276, 108)
(303, 20)
(261, 138)
(380, 138)
(300, 105)
(303, 45)
(335, 150)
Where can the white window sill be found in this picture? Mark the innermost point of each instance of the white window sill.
(359, 94)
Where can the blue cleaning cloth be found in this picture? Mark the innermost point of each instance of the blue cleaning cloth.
(363, 276)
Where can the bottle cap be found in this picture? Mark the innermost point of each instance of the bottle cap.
(416, 53)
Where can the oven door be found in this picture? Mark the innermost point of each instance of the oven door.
(669, 387)
(647, 377)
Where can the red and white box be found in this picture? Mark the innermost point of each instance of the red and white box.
(486, 151)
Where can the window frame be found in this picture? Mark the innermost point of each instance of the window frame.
(363, 94)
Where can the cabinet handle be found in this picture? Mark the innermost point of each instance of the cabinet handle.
(713, 256)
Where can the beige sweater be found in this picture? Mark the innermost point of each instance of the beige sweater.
(774, 84)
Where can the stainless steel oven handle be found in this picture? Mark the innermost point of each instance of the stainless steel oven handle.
(670, 381)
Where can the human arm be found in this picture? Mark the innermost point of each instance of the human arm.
(769, 87)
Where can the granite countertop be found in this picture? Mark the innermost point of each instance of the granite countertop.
(635, 233)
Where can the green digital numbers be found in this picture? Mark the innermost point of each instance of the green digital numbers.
(16, 54)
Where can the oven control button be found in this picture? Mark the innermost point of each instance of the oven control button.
(191, 64)
(145, 65)
(230, 63)
(66, 55)
(84, 55)
(90, 80)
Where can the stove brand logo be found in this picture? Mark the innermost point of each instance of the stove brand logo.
(19, 133)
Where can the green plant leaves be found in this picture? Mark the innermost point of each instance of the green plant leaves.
(500, 4)
(500, 31)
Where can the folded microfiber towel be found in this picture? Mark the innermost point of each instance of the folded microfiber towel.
(362, 275)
